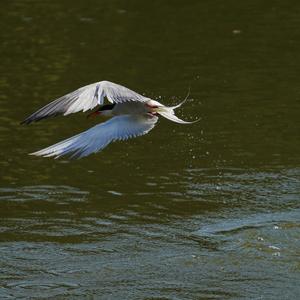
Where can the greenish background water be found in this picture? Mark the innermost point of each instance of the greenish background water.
(207, 211)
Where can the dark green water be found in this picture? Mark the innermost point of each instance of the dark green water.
(206, 211)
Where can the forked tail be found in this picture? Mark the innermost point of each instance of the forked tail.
(169, 113)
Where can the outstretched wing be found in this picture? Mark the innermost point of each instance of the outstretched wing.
(86, 98)
(99, 136)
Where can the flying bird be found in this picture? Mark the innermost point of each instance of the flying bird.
(132, 115)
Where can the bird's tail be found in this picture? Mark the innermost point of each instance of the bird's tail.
(169, 113)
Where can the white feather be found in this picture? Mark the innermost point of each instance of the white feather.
(86, 98)
(168, 113)
(99, 136)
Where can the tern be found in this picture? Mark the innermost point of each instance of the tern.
(132, 115)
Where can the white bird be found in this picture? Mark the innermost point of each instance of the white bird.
(132, 115)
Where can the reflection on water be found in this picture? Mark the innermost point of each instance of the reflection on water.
(207, 211)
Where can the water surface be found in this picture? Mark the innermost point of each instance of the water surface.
(207, 211)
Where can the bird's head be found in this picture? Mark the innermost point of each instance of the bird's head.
(105, 110)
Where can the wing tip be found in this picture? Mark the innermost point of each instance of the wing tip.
(48, 155)
(36, 154)
(26, 121)
(32, 118)
(36, 118)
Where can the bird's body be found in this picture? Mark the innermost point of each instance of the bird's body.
(132, 108)
(132, 115)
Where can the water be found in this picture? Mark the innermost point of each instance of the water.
(206, 211)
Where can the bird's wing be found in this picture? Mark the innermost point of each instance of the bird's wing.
(116, 93)
(86, 98)
(99, 136)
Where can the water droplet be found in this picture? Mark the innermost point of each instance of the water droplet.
(274, 247)
(236, 31)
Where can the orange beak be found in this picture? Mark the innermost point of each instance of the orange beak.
(93, 114)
